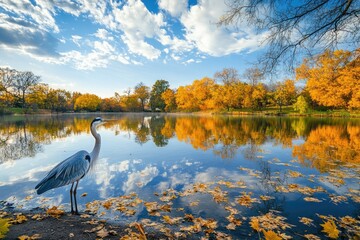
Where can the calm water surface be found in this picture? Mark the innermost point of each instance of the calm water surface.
(185, 172)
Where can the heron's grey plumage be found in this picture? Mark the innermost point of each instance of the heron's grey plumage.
(68, 171)
(73, 168)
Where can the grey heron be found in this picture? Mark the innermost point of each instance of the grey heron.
(72, 169)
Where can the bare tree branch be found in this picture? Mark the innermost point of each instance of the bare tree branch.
(298, 28)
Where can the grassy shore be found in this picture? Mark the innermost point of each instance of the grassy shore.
(269, 111)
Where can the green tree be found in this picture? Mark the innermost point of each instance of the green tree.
(157, 90)
(142, 93)
(301, 105)
(87, 102)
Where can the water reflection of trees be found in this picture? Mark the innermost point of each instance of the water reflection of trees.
(327, 142)
(327, 147)
(24, 136)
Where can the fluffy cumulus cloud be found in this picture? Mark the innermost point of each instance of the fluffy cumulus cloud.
(201, 28)
(175, 8)
(127, 32)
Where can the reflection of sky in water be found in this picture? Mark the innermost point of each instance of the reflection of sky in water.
(125, 166)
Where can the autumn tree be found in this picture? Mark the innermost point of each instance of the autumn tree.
(290, 28)
(7, 76)
(332, 78)
(157, 90)
(169, 99)
(230, 93)
(22, 83)
(285, 93)
(185, 99)
(58, 100)
(37, 96)
(202, 92)
(87, 102)
(142, 93)
(17, 84)
(258, 96)
(111, 104)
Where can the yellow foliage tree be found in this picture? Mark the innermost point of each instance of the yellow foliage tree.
(333, 78)
(169, 98)
(87, 102)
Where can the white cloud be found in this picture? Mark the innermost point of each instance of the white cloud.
(76, 39)
(175, 8)
(30, 28)
(103, 34)
(40, 14)
(140, 177)
(137, 23)
(202, 30)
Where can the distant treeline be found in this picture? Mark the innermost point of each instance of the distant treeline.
(331, 80)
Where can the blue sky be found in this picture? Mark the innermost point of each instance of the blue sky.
(103, 47)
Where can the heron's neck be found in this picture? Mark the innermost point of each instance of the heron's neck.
(96, 150)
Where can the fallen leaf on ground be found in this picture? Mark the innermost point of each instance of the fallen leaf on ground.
(55, 212)
(4, 226)
(102, 233)
(26, 237)
(19, 219)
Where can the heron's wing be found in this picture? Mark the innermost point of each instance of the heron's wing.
(68, 171)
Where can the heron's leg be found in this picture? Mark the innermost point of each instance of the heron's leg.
(76, 185)
(71, 198)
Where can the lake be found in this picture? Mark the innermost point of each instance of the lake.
(195, 175)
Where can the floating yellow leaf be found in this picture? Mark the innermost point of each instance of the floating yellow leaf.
(306, 221)
(254, 223)
(28, 198)
(330, 229)
(107, 204)
(141, 230)
(246, 200)
(271, 235)
(266, 198)
(194, 203)
(4, 226)
(294, 174)
(83, 195)
(311, 237)
(312, 199)
(172, 221)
